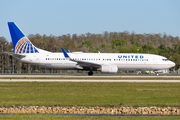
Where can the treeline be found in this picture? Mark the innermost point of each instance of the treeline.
(110, 42)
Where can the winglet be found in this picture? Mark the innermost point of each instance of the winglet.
(65, 54)
(68, 51)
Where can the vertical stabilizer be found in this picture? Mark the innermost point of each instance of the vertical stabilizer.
(20, 42)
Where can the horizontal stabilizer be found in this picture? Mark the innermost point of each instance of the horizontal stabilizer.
(15, 55)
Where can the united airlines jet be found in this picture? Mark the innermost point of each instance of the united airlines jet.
(25, 51)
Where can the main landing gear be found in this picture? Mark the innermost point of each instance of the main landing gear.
(90, 73)
(157, 74)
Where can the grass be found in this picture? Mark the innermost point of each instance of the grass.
(72, 117)
(89, 94)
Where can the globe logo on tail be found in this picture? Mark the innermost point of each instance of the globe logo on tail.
(25, 46)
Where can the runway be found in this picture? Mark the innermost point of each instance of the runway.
(65, 76)
(95, 80)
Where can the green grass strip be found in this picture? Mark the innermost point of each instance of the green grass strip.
(89, 94)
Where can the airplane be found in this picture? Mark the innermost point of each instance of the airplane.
(25, 51)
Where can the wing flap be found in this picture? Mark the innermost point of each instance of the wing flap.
(86, 63)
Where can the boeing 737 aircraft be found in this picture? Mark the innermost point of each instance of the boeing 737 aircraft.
(26, 52)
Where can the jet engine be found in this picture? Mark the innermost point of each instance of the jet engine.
(108, 69)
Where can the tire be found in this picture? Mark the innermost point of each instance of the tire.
(90, 73)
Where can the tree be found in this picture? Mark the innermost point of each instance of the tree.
(176, 58)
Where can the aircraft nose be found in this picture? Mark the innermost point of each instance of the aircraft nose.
(172, 63)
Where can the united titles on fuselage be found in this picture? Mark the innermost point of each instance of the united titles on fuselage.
(131, 56)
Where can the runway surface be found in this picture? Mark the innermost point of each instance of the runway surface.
(64, 76)
(95, 80)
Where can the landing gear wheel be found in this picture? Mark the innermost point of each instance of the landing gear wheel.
(90, 73)
(156, 72)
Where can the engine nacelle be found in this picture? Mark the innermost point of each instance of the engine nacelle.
(109, 69)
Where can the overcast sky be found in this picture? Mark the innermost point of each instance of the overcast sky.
(58, 17)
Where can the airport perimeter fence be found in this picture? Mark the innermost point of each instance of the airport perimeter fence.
(45, 72)
(36, 71)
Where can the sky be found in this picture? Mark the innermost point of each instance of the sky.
(60, 17)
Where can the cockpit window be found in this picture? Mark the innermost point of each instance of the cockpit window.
(165, 59)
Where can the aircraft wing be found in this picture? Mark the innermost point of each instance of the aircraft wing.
(15, 55)
(84, 64)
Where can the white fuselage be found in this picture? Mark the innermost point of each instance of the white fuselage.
(124, 61)
(26, 52)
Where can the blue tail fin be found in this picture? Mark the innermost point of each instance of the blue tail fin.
(20, 42)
